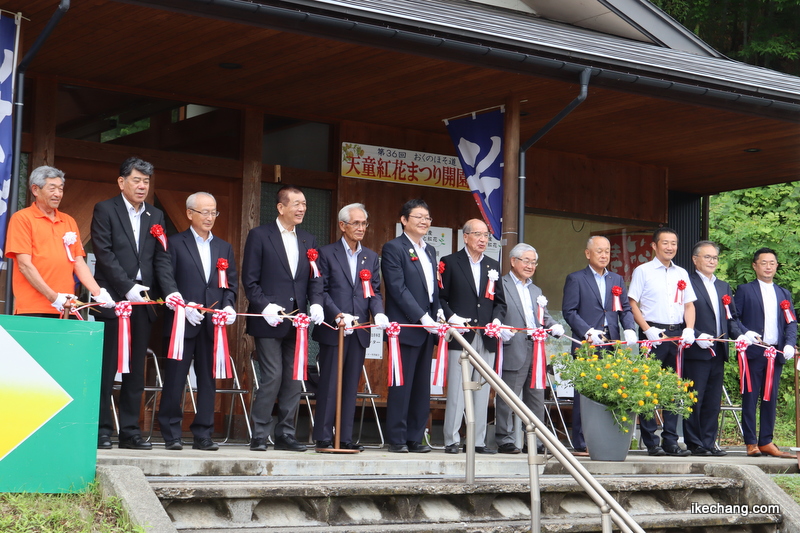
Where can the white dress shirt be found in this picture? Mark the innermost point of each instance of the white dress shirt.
(600, 279)
(525, 297)
(290, 245)
(352, 258)
(204, 249)
(476, 272)
(653, 287)
(425, 263)
(770, 312)
(711, 289)
(135, 218)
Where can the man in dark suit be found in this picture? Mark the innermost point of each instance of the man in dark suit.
(277, 277)
(472, 295)
(767, 312)
(408, 267)
(594, 312)
(130, 260)
(704, 361)
(352, 291)
(205, 271)
(524, 301)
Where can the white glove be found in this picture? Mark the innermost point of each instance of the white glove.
(630, 337)
(744, 338)
(440, 315)
(270, 314)
(654, 334)
(687, 337)
(704, 342)
(430, 325)
(193, 316)
(174, 300)
(61, 299)
(231, 312)
(347, 319)
(459, 323)
(594, 336)
(134, 295)
(505, 334)
(316, 314)
(556, 330)
(753, 337)
(788, 352)
(104, 299)
(381, 320)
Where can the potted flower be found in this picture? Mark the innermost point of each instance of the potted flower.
(623, 384)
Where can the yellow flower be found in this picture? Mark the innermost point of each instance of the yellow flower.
(658, 385)
(641, 402)
(583, 374)
(624, 418)
(598, 377)
(624, 394)
(627, 430)
(605, 385)
(608, 365)
(694, 400)
(655, 402)
(647, 393)
(619, 391)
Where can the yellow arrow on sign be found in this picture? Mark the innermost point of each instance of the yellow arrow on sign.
(29, 395)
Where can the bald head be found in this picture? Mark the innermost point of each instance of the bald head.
(476, 237)
(598, 252)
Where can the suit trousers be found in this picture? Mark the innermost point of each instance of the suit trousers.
(700, 429)
(325, 415)
(758, 379)
(408, 405)
(130, 394)
(170, 411)
(666, 352)
(520, 383)
(454, 411)
(275, 363)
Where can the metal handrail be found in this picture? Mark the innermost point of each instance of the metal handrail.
(610, 509)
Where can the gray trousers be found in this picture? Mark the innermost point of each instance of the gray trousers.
(454, 410)
(275, 362)
(520, 383)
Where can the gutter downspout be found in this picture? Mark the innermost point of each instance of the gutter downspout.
(18, 105)
(584, 80)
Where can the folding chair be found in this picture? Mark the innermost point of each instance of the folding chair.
(728, 407)
(235, 390)
(365, 395)
(554, 401)
(151, 401)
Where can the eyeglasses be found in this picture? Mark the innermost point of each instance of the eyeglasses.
(479, 234)
(420, 217)
(712, 258)
(527, 262)
(767, 263)
(205, 214)
(358, 224)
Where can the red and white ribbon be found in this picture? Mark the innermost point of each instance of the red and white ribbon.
(679, 292)
(541, 301)
(493, 331)
(158, 232)
(679, 357)
(439, 272)
(222, 357)
(788, 312)
(744, 369)
(123, 310)
(300, 370)
(312, 255)
(616, 291)
(178, 332)
(440, 370)
(222, 274)
(770, 353)
(366, 283)
(70, 238)
(395, 377)
(539, 370)
(493, 277)
(645, 347)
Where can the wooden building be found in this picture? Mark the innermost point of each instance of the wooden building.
(234, 97)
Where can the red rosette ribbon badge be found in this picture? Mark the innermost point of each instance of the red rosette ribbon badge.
(366, 283)
(439, 272)
(123, 310)
(395, 378)
(770, 353)
(539, 370)
(222, 266)
(744, 368)
(616, 291)
(158, 232)
(726, 301)
(313, 255)
(788, 312)
(679, 292)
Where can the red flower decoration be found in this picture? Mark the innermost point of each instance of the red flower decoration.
(616, 290)
(156, 231)
(365, 275)
(441, 267)
(726, 299)
(312, 254)
(681, 285)
(222, 264)
(786, 304)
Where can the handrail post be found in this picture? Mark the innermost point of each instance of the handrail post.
(469, 412)
(533, 469)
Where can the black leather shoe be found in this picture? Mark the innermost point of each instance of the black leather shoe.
(173, 444)
(398, 448)
(135, 443)
(289, 443)
(416, 447)
(352, 446)
(323, 445)
(103, 442)
(718, 453)
(485, 449)
(508, 447)
(656, 451)
(205, 444)
(258, 445)
(451, 448)
(676, 451)
(700, 451)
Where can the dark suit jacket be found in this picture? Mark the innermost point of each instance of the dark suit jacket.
(267, 278)
(458, 295)
(118, 258)
(751, 313)
(406, 290)
(517, 351)
(705, 319)
(583, 308)
(341, 295)
(191, 280)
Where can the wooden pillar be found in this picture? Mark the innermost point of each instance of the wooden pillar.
(511, 171)
(44, 124)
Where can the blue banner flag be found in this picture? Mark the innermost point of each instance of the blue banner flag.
(479, 142)
(8, 37)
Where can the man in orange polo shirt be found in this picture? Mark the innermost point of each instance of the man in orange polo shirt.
(46, 247)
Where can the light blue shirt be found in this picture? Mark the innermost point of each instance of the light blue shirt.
(601, 285)
(525, 297)
(352, 258)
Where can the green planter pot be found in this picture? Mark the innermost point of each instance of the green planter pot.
(602, 434)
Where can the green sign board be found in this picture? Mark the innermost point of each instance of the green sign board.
(50, 396)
